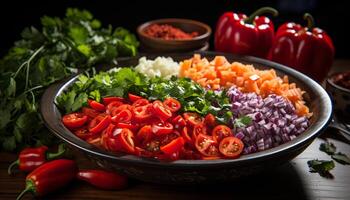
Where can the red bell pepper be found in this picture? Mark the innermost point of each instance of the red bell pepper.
(49, 177)
(307, 49)
(103, 180)
(31, 158)
(239, 34)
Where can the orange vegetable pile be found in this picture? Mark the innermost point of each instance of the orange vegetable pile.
(221, 73)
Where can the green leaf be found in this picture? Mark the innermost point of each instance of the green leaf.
(18, 135)
(11, 90)
(78, 34)
(322, 167)
(341, 158)
(84, 49)
(79, 102)
(9, 143)
(95, 95)
(25, 122)
(242, 121)
(5, 117)
(328, 148)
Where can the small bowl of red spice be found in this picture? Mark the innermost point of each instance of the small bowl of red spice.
(173, 35)
(338, 87)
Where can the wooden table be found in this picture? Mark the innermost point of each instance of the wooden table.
(289, 181)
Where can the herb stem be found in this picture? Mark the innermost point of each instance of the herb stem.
(28, 65)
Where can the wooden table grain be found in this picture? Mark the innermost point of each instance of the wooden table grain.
(289, 181)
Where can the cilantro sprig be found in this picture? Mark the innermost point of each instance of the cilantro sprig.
(43, 56)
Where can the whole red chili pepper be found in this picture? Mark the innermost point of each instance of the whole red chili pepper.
(31, 158)
(239, 34)
(49, 177)
(103, 180)
(307, 49)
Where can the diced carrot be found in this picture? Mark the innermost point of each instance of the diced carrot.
(220, 73)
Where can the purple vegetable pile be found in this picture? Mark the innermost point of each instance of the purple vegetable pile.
(274, 120)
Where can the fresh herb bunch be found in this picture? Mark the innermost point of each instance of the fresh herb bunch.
(44, 56)
(122, 81)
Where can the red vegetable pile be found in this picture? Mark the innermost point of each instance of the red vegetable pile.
(152, 129)
(168, 32)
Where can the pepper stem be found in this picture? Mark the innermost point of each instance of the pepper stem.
(25, 191)
(15, 163)
(260, 11)
(310, 21)
(60, 152)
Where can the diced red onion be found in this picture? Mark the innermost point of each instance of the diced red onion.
(274, 120)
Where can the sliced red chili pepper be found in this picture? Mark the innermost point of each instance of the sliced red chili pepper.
(91, 113)
(192, 118)
(153, 145)
(118, 109)
(220, 132)
(178, 122)
(123, 116)
(108, 100)
(231, 147)
(186, 136)
(140, 102)
(142, 152)
(126, 138)
(142, 113)
(113, 105)
(162, 128)
(130, 125)
(210, 120)
(96, 105)
(99, 123)
(199, 129)
(109, 139)
(187, 153)
(206, 145)
(144, 134)
(74, 120)
(82, 133)
(133, 97)
(172, 104)
(96, 141)
(173, 147)
(160, 111)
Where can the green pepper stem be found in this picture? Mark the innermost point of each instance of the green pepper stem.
(25, 191)
(259, 12)
(15, 163)
(60, 152)
(310, 21)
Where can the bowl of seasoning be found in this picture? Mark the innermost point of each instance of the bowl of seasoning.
(338, 87)
(173, 35)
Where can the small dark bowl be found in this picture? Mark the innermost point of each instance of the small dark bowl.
(198, 171)
(160, 45)
(340, 98)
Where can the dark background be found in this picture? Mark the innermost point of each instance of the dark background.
(331, 16)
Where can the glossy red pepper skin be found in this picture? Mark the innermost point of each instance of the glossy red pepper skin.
(31, 158)
(306, 49)
(238, 34)
(49, 177)
(103, 179)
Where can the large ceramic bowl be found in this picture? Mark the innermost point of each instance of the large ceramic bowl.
(198, 171)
